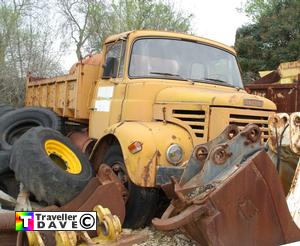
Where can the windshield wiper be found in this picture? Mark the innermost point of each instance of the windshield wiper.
(215, 80)
(170, 74)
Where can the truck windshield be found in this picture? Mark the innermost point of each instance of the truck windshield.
(183, 60)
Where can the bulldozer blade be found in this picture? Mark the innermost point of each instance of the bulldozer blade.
(246, 208)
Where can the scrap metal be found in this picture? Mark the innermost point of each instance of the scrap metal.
(235, 197)
(109, 232)
(293, 198)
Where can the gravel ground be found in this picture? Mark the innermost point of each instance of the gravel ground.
(158, 238)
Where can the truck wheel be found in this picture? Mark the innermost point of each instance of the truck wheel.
(9, 184)
(49, 166)
(5, 108)
(4, 161)
(15, 123)
(142, 202)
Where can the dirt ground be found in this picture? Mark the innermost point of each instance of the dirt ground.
(158, 238)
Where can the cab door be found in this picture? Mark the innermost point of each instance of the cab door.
(109, 91)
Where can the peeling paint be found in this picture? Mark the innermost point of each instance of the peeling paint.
(147, 176)
(295, 132)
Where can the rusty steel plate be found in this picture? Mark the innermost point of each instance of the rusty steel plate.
(107, 195)
(247, 208)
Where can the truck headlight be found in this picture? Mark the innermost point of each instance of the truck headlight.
(174, 154)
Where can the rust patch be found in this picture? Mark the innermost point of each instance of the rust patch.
(276, 126)
(285, 96)
(146, 176)
(232, 99)
(112, 131)
(213, 100)
(247, 209)
(220, 155)
(252, 133)
(201, 152)
(295, 132)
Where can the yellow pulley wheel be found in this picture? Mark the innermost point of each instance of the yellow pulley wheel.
(109, 227)
(34, 238)
(65, 238)
(63, 156)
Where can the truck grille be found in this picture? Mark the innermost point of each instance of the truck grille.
(194, 118)
(242, 120)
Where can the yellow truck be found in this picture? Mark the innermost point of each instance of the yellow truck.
(153, 96)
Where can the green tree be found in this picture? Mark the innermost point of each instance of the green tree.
(272, 38)
(88, 23)
(127, 15)
(77, 16)
(26, 44)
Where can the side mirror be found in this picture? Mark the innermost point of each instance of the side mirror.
(110, 68)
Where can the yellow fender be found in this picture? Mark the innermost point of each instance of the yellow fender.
(155, 137)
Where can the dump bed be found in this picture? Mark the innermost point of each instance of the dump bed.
(68, 95)
(284, 95)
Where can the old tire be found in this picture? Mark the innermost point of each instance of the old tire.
(9, 184)
(142, 202)
(49, 166)
(5, 108)
(15, 123)
(4, 161)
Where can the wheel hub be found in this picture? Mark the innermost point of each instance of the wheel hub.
(63, 156)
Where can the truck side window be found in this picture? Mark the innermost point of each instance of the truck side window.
(117, 50)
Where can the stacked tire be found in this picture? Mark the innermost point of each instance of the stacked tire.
(4, 155)
(50, 166)
(5, 108)
(15, 122)
(24, 135)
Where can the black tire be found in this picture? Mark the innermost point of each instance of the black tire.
(9, 184)
(4, 161)
(142, 202)
(5, 108)
(15, 123)
(43, 174)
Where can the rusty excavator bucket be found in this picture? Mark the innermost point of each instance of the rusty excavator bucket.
(233, 197)
(104, 189)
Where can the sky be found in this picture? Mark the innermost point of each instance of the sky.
(213, 19)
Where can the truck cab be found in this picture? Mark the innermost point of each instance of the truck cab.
(183, 89)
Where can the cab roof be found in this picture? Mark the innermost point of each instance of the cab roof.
(151, 33)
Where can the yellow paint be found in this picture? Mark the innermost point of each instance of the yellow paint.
(220, 117)
(288, 71)
(143, 33)
(34, 238)
(156, 137)
(210, 95)
(264, 73)
(63, 152)
(109, 226)
(68, 95)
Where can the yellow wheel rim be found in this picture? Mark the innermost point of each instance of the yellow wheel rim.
(63, 156)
